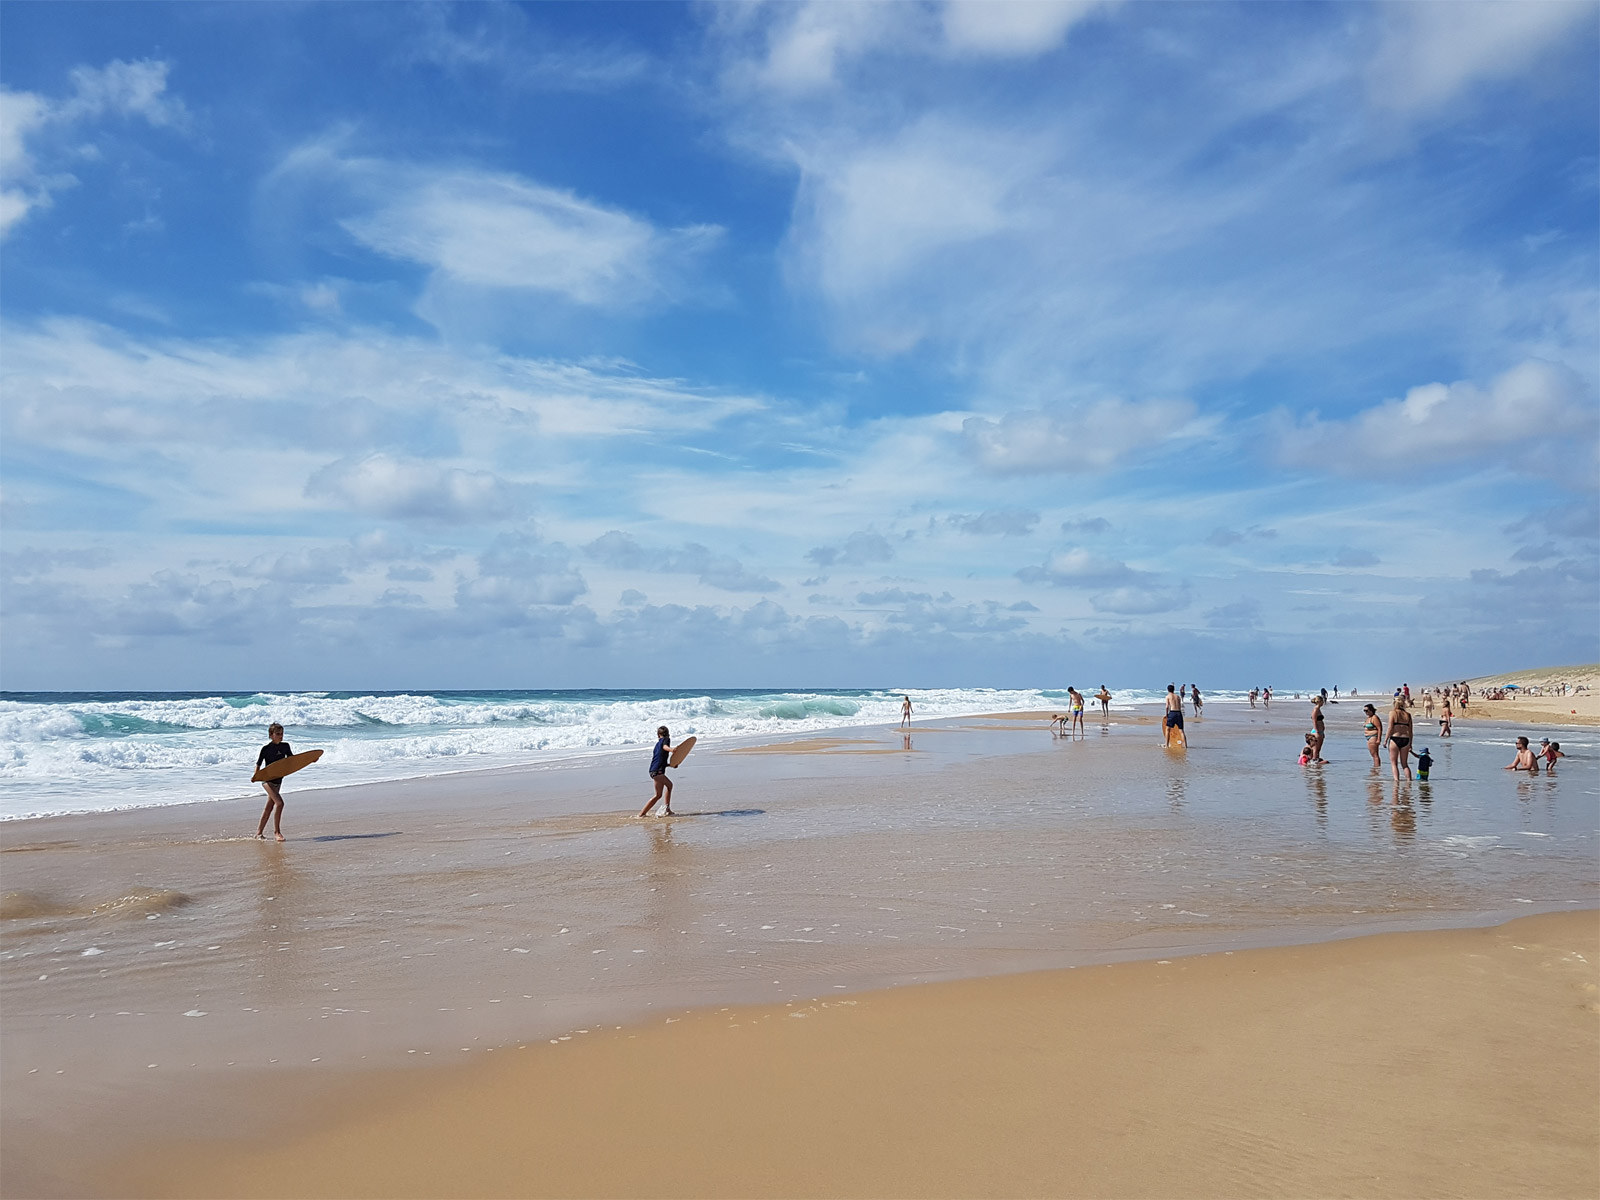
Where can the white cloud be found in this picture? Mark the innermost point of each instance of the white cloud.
(1534, 402)
(382, 485)
(122, 89)
(1002, 522)
(1432, 52)
(623, 552)
(500, 231)
(859, 549)
(486, 229)
(798, 48)
(1077, 567)
(1094, 437)
(127, 89)
(1013, 28)
(1135, 600)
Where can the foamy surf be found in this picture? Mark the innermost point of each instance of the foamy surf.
(94, 752)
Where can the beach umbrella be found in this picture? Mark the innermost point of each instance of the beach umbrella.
(1513, 687)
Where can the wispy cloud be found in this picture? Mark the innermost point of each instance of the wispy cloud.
(35, 128)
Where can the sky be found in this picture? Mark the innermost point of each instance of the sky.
(957, 343)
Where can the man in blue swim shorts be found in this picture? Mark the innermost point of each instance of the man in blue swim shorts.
(1174, 718)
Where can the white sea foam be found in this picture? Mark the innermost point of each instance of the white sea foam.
(97, 754)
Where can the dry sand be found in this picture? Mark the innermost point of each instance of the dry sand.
(1455, 1063)
(1539, 710)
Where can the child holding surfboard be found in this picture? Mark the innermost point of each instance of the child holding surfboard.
(658, 772)
(274, 750)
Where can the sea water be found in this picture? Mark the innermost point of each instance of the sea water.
(66, 752)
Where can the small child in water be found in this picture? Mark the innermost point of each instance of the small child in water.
(1424, 763)
(1309, 749)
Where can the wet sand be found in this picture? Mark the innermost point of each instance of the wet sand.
(164, 975)
(1434, 1064)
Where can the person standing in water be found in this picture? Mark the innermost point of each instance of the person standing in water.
(1077, 708)
(658, 772)
(1400, 734)
(1194, 698)
(274, 750)
(905, 714)
(1374, 731)
(1318, 725)
(1174, 718)
(1105, 701)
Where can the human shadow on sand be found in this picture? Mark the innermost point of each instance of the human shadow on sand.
(354, 837)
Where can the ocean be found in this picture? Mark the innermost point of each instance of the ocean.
(74, 752)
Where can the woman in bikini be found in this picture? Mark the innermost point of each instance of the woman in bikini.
(1374, 731)
(1400, 734)
(1318, 726)
(1444, 719)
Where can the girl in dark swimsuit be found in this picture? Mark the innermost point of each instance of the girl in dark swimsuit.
(1400, 739)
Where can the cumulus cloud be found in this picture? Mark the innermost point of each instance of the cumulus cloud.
(996, 522)
(520, 580)
(1431, 53)
(859, 550)
(1438, 423)
(409, 489)
(1078, 568)
(1093, 438)
(118, 89)
(1115, 587)
(622, 551)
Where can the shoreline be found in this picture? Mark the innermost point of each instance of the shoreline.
(414, 924)
(1210, 1075)
(834, 739)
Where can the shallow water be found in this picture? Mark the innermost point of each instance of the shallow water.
(425, 921)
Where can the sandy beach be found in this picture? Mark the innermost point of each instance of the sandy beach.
(971, 917)
(1458, 1063)
(1545, 709)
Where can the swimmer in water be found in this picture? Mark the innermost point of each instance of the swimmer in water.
(658, 772)
(1524, 761)
(274, 750)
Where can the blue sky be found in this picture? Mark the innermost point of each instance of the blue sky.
(830, 344)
